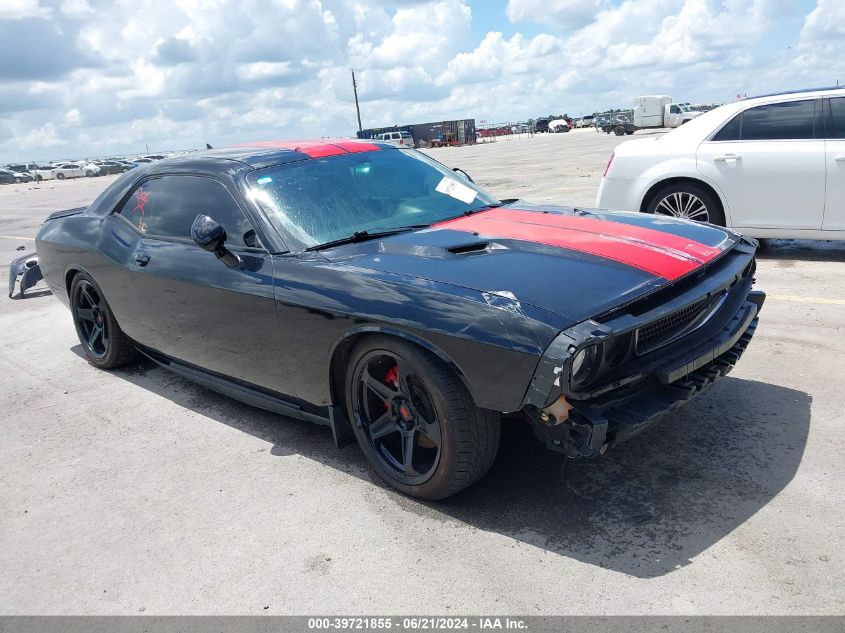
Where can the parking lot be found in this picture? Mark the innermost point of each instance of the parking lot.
(135, 491)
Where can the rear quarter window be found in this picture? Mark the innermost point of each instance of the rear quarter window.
(837, 112)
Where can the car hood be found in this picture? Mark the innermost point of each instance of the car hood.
(572, 262)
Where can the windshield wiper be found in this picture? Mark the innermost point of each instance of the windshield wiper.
(363, 236)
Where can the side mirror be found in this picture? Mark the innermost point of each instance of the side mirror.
(460, 171)
(211, 237)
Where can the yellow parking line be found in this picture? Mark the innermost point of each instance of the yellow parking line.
(15, 237)
(797, 299)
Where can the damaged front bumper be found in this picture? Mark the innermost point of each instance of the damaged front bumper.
(585, 418)
(24, 272)
(594, 426)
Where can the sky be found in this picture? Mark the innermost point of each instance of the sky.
(86, 78)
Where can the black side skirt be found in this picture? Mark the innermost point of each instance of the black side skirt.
(335, 418)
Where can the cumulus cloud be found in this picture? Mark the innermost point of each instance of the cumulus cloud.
(564, 14)
(94, 77)
(825, 23)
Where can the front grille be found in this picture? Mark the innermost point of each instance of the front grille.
(663, 330)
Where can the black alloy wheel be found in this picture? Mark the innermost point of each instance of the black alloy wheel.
(397, 416)
(88, 309)
(104, 343)
(415, 421)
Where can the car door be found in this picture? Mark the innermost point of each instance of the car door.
(834, 209)
(178, 299)
(769, 163)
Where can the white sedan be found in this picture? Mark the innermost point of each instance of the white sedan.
(771, 166)
(76, 170)
(47, 172)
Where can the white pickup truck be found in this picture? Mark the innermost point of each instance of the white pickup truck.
(660, 111)
(654, 111)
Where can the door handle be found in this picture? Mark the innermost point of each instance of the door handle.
(727, 157)
(142, 259)
(839, 157)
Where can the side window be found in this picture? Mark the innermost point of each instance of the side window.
(730, 132)
(674, 109)
(167, 206)
(837, 111)
(779, 121)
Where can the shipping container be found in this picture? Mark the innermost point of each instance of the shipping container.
(461, 131)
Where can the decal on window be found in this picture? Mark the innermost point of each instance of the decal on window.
(456, 190)
(143, 199)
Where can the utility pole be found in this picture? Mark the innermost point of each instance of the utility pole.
(357, 108)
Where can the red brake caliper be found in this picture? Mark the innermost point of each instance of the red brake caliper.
(392, 377)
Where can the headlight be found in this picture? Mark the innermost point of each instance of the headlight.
(585, 363)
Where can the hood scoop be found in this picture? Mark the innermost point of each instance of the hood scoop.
(475, 248)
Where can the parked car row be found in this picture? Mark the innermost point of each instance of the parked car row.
(18, 173)
(7, 176)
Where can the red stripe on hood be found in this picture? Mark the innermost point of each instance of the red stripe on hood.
(659, 253)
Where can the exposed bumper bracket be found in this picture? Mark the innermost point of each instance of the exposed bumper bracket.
(26, 267)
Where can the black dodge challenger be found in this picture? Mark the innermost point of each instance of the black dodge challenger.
(372, 289)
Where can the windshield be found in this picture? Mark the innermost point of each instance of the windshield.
(685, 108)
(320, 200)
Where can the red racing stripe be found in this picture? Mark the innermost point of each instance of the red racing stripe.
(677, 243)
(357, 146)
(595, 237)
(318, 149)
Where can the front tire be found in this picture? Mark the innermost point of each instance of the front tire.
(619, 130)
(60, 176)
(689, 201)
(103, 342)
(415, 421)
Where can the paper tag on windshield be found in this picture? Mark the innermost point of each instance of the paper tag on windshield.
(456, 190)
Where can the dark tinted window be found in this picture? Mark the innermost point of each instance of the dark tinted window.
(837, 110)
(778, 121)
(731, 131)
(167, 207)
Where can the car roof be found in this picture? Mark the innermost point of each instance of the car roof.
(808, 92)
(267, 153)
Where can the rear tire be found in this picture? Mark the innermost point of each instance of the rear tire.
(619, 130)
(687, 200)
(421, 411)
(103, 342)
(60, 176)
